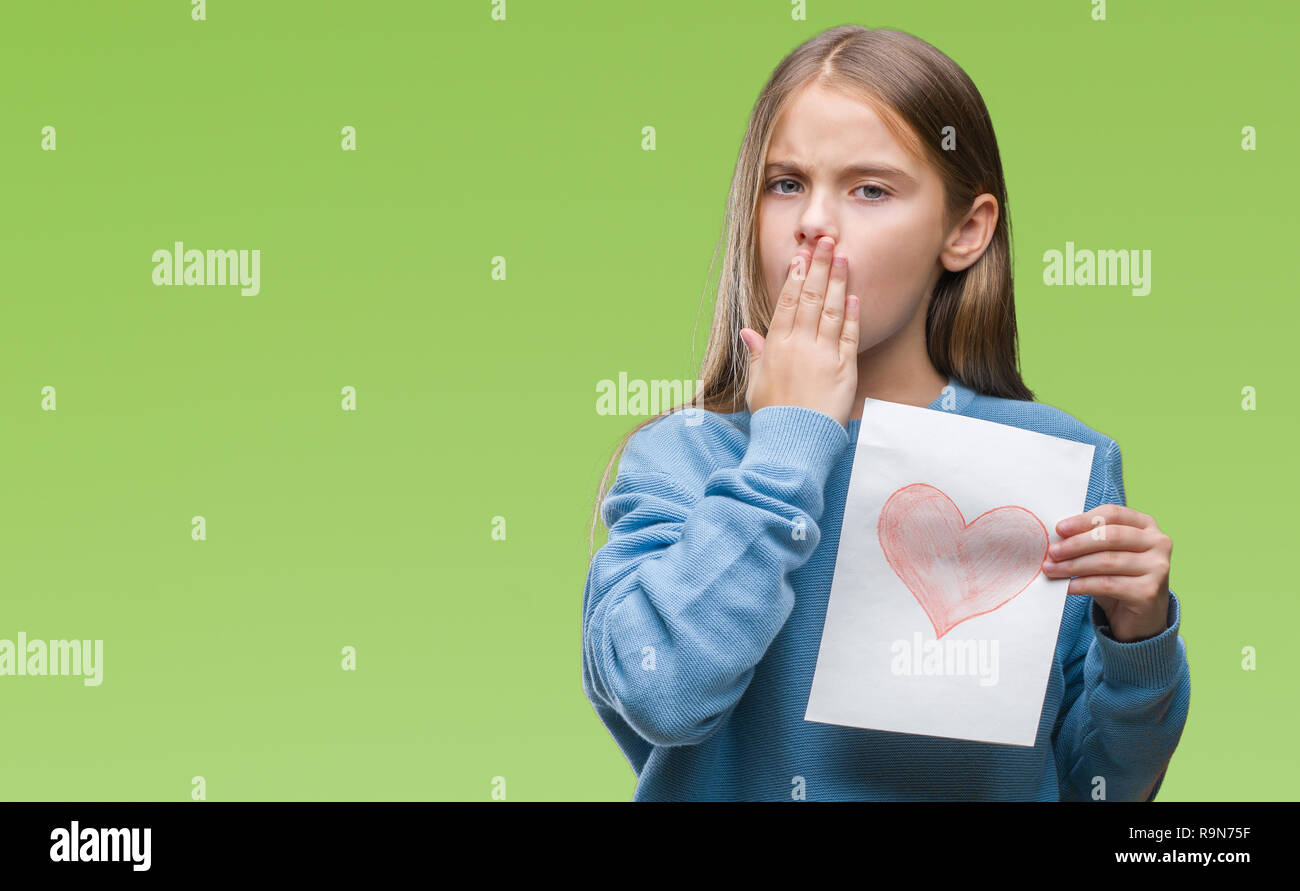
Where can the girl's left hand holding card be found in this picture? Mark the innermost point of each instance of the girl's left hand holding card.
(1120, 557)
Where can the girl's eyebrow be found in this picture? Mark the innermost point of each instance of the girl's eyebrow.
(853, 170)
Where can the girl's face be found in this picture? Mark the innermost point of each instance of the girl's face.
(888, 222)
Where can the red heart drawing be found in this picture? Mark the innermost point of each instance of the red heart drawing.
(955, 570)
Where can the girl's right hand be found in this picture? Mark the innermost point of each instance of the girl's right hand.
(810, 354)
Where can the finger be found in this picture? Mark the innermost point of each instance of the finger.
(1125, 589)
(1102, 563)
(1109, 513)
(1112, 537)
(849, 334)
(832, 319)
(808, 312)
(753, 341)
(783, 315)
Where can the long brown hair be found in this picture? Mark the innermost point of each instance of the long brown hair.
(919, 93)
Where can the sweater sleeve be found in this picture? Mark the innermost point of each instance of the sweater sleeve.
(693, 584)
(1125, 704)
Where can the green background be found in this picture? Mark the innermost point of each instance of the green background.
(476, 397)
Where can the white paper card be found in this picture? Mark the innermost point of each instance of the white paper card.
(940, 621)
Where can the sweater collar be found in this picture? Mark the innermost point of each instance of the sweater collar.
(961, 395)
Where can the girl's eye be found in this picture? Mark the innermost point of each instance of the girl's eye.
(772, 187)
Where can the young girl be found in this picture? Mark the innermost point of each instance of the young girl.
(702, 615)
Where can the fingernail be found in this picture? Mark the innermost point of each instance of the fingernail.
(841, 261)
(826, 243)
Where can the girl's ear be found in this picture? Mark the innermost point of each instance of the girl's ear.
(971, 236)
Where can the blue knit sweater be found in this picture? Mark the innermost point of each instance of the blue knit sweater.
(702, 619)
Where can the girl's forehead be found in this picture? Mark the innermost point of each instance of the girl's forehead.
(833, 124)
